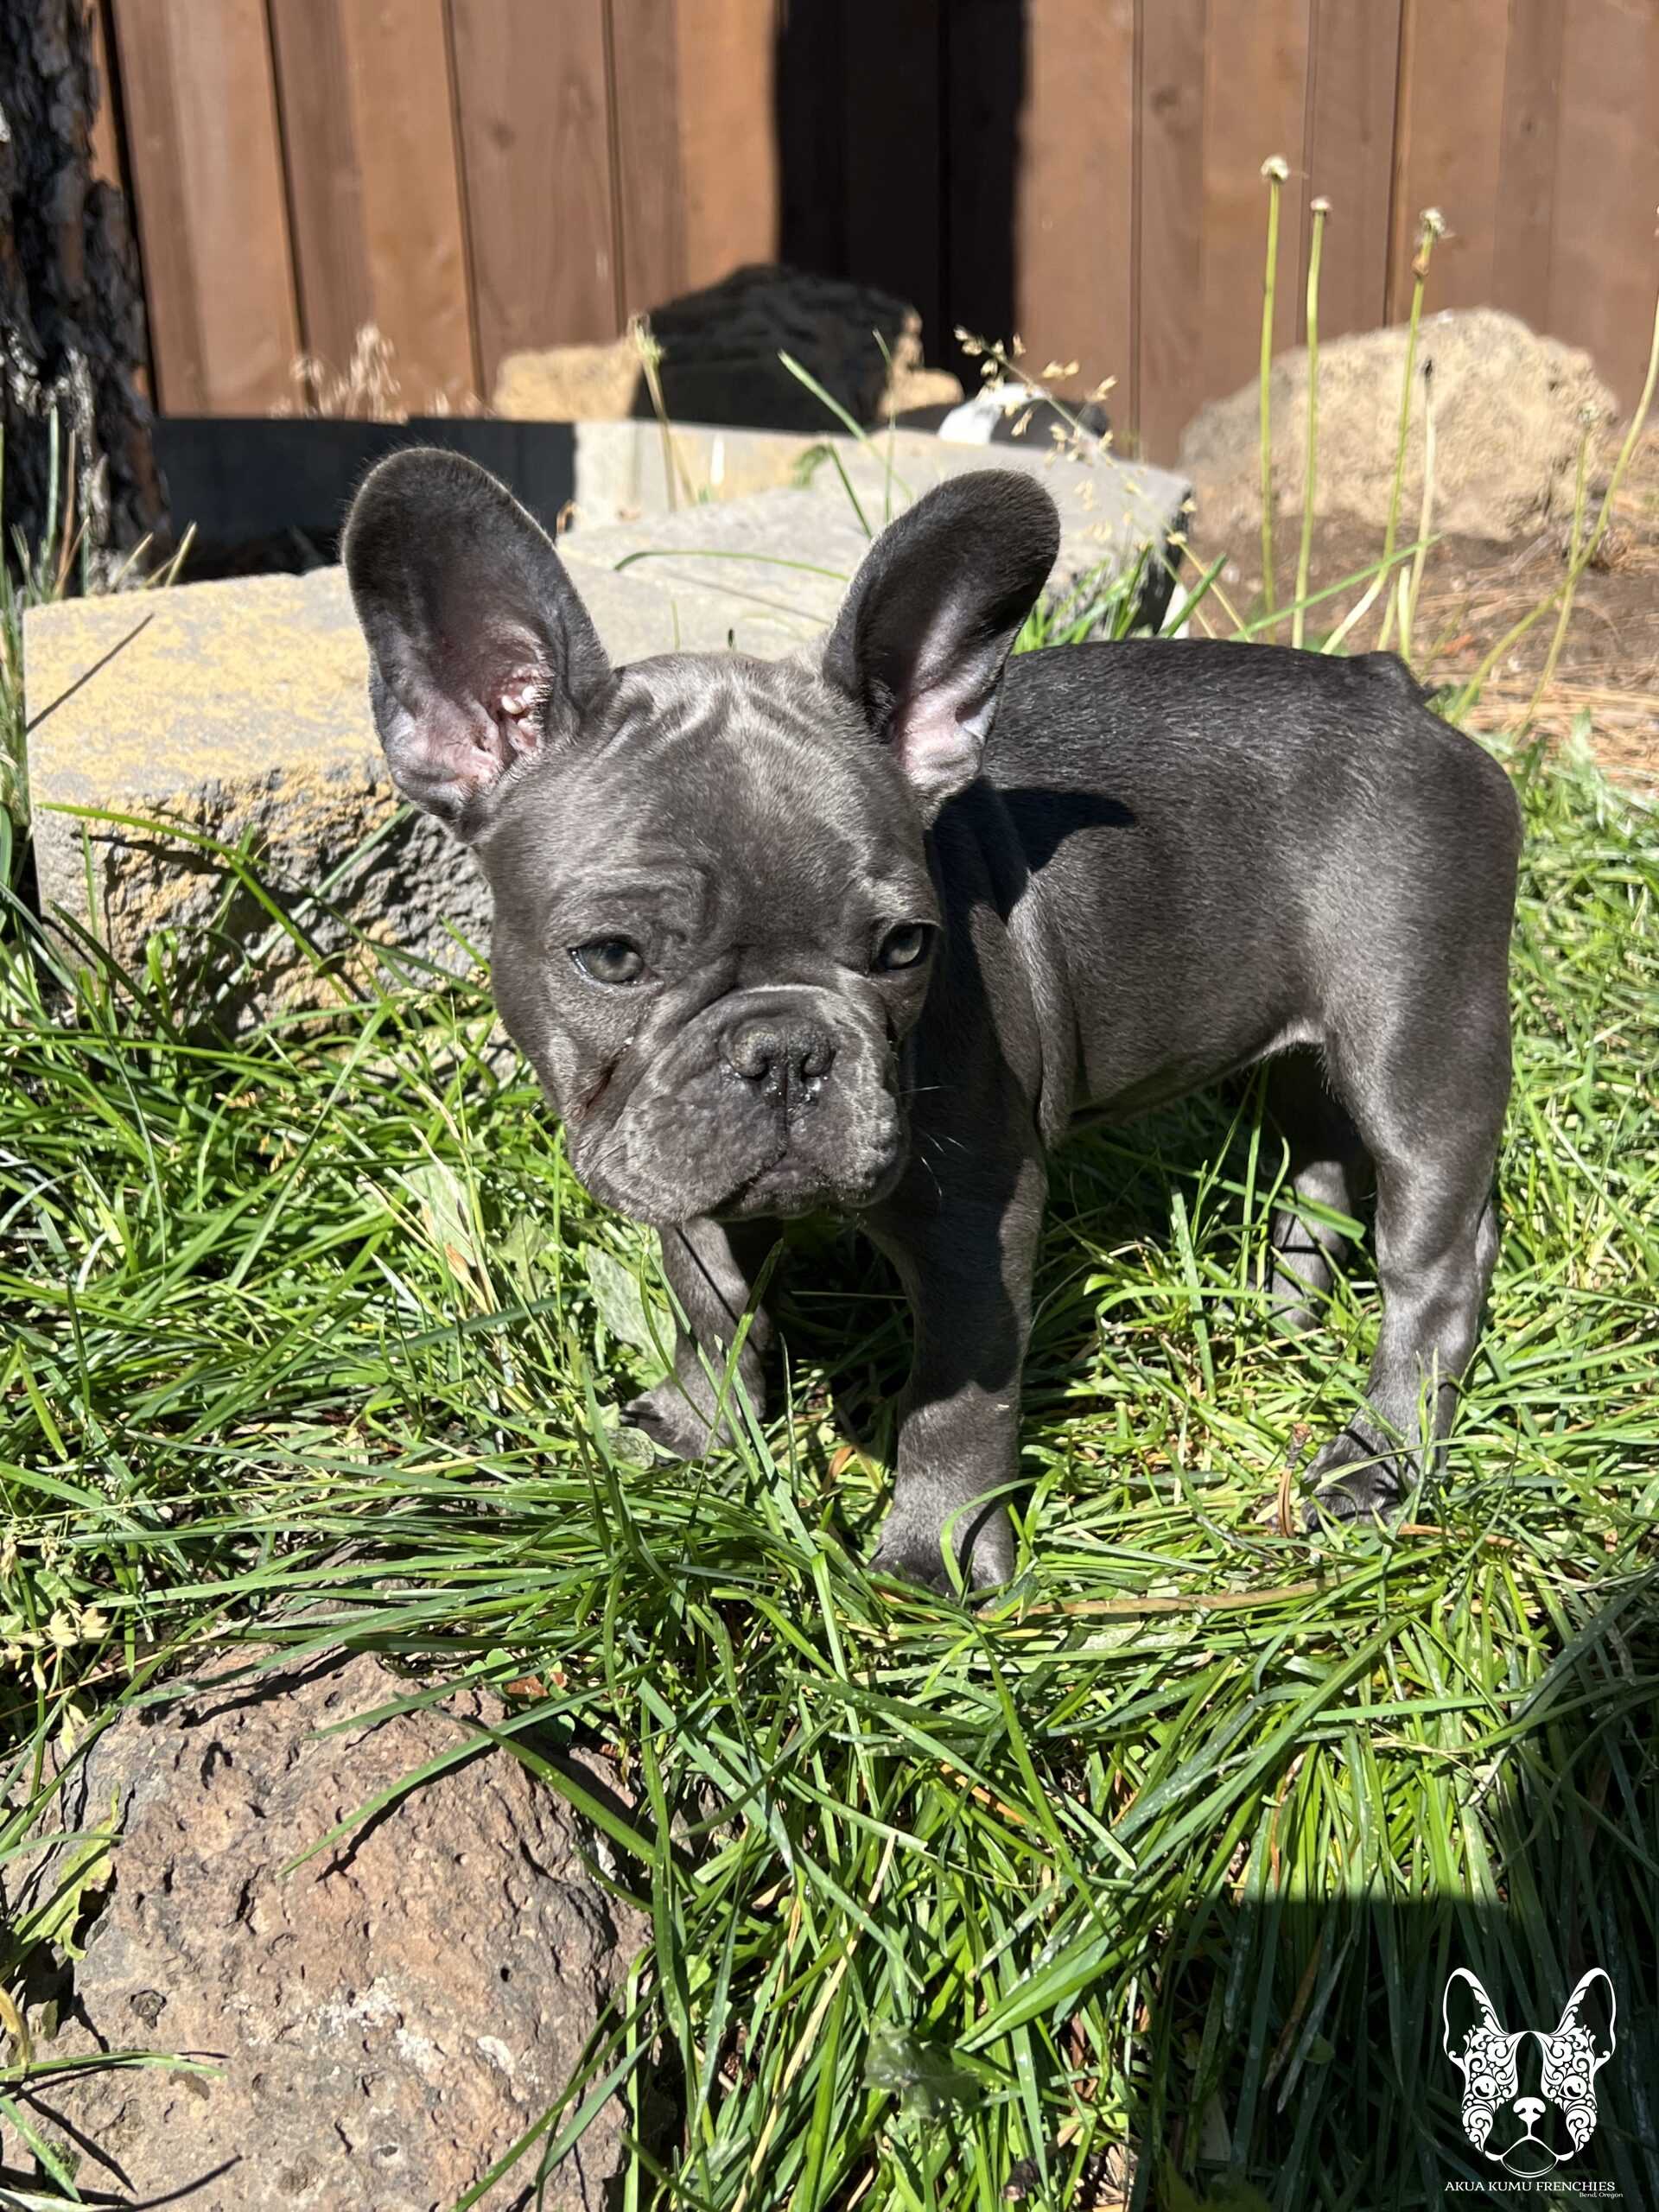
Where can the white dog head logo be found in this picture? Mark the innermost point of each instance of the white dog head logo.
(1529, 2098)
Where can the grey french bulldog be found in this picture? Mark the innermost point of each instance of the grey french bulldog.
(870, 928)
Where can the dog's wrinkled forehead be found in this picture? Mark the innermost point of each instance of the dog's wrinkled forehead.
(752, 768)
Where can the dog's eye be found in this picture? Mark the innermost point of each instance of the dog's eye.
(610, 960)
(903, 947)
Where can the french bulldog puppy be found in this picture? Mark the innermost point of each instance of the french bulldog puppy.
(867, 929)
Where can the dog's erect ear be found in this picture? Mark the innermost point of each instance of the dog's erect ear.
(923, 635)
(1470, 2008)
(481, 651)
(1592, 2007)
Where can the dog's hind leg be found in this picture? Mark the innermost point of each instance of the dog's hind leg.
(711, 1269)
(1326, 1167)
(1430, 1108)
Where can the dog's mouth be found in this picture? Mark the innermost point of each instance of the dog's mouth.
(788, 1188)
(1528, 2157)
(667, 1174)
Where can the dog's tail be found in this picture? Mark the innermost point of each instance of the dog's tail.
(1392, 670)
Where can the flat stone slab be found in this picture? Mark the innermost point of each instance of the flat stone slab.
(772, 568)
(1109, 508)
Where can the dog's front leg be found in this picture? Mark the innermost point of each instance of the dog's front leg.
(711, 1269)
(966, 1265)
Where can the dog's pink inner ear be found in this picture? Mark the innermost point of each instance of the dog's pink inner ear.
(518, 706)
(938, 735)
(943, 714)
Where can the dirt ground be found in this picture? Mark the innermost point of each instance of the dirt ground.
(1474, 591)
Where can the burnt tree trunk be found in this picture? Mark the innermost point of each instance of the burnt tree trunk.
(72, 330)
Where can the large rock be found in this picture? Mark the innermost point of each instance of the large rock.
(773, 567)
(1110, 511)
(1510, 408)
(1109, 508)
(387, 2019)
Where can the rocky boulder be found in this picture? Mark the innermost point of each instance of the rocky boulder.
(385, 2021)
(1510, 408)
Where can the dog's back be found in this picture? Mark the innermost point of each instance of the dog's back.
(1245, 842)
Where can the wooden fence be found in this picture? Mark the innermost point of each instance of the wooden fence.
(477, 175)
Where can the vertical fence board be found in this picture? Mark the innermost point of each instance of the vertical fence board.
(1355, 60)
(729, 158)
(324, 180)
(1526, 159)
(892, 132)
(171, 308)
(207, 184)
(373, 184)
(534, 130)
(644, 127)
(1451, 121)
(1256, 58)
(1603, 270)
(1074, 224)
(984, 60)
(1169, 303)
(404, 120)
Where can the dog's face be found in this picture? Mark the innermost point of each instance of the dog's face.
(1530, 2097)
(714, 919)
(712, 926)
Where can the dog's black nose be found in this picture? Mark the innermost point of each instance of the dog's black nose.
(786, 1060)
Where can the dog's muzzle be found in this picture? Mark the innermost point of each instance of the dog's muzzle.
(771, 1102)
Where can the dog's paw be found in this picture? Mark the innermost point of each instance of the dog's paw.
(674, 1426)
(1354, 1476)
(913, 1547)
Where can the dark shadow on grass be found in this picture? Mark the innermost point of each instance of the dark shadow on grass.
(1259, 2006)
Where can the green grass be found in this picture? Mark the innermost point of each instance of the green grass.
(312, 1335)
